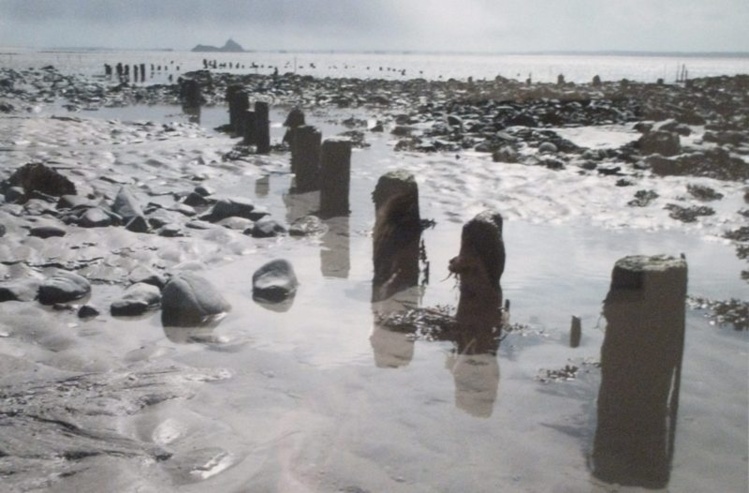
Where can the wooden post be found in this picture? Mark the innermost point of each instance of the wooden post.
(234, 114)
(305, 158)
(335, 176)
(249, 136)
(479, 266)
(190, 93)
(397, 234)
(641, 371)
(262, 127)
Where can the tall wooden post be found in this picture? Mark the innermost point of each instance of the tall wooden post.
(641, 371)
(262, 127)
(335, 176)
(306, 144)
(397, 234)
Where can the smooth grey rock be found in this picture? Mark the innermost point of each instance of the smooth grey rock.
(229, 207)
(137, 299)
(142, 274)
(267, 228)
(95, 217)
(38, 177)
(659, 142)
(274, 282)
(190, 300)
(63, 287)
(88, 311)
(47, 231)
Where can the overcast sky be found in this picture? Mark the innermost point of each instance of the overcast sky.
(362, 25)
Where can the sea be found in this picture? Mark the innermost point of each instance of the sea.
(578, 68)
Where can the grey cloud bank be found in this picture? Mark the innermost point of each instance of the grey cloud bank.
(437, 25)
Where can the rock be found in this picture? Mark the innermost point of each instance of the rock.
(307, 226)
(194, 199)
(659, 142)
(14, 195)
(126, 206)
(171, 230)
(95, 217)
(38, 177)
(19, 290)
(643, 198)
(547, 148)
(190, 300)
(88, 311)
(63, 287)
(237, 223)
(505, 154)
(2, 230)
(274, 282)
(142, 274)
(675, 127)
(47, 231)
(137, 299)
(266, 228)
(138, 224)
(229, 207)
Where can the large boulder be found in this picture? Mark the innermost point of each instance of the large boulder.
(63, 287)
(190, 300)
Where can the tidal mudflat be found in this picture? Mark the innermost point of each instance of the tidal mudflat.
(317, 393)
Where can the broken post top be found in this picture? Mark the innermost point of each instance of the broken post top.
(295, 118)
(650, 273)
(395, 183)
(482, 236)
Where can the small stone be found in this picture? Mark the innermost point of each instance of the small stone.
(266, 228)
(47, 231)
(88, 311)
(274, 282)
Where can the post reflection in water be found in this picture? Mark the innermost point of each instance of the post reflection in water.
(335, 258)
(641, 371)
(479, 267)
(193, 113)
(393, 349)
(262, 186)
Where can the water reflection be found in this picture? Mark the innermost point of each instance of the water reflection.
(391, 348)
(262, 186)
(335, 258)
(193, 113)
(641, 372)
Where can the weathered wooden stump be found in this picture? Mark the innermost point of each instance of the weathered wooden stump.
(397, 234)
(190, 95)
(479, 267)
(249, 137)
(262, 127)
(236, 107)
(306, 144)
(641, 371)
(335, 177)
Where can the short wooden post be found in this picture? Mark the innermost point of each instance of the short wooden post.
(335, 176)
(479, 266)
(262, 127)
(397, 234)
(641, 371)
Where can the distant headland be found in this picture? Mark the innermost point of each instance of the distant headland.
(230, 46)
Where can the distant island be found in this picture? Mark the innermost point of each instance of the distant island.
(230, 46)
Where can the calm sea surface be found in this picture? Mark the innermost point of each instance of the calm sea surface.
(541, 68)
